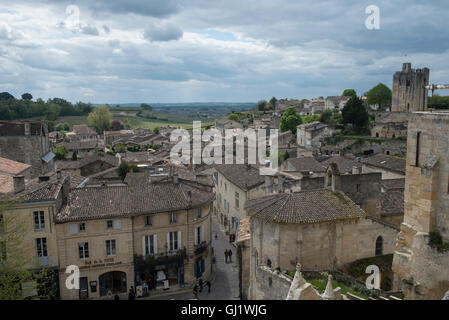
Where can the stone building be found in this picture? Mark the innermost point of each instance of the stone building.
(391, 167)
(336, 103)
(309, 135)
(82, 132)
(9, 174)
(27, 142)
(420, 262)
(146, 236)
(323, 229)
(409, 93)
(234, 185)
(89, 165)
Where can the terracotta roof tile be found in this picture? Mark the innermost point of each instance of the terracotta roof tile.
(12, 167)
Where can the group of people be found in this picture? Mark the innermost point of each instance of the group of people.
(228, 255)
(198, 288)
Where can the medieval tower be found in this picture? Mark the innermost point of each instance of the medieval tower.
(409, 93)
(421, 261)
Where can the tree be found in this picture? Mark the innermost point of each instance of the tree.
(273, 103)
(156, 130)
(146, 107)
(119, 148)
(6, 96)
(100, 119)
(326, 116)
(124, 168)
(355, 113)
(290, 120)
(349, 93)
(261, 105)
(234, 117)
(63, 126)
(116, 125)
(282, 156)
(12, 273)
(27, 96)
(60, 152)
(379, 95)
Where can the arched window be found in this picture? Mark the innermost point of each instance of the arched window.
(114, 282)
(379, 245)
(329, 179)
(268, 263)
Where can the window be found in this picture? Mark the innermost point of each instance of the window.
(199, 235)
(226, 187)
(149, 245)
(39, 220)
(112, 282)
(198, 213)
(237, 203)
(109, 224)
(358, 187)
(82, 227)
(83, 249)
(172, 217)
(379, 245)
(174, 240)
(148, 221)
(110, 247)
(269, 263)
(41, 247)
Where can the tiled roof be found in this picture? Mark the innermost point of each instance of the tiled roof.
(306, 164)
(312, 126)
(386, 162)
(244, 176)
(12, 167)
(83, 129)
(65, 165)
(105, 202)
(143, 156)
(392, 203)
(393, 184)
(304, 207)
(344, 165)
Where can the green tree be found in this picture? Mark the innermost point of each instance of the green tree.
(438, 102)
(124, 168)
(119, 148)
(349, 93)
(156, 130)
(355, 113)
(234, 117)
(261, 105)
(100, 119)
(273, 102)
(12, 273)
(379, 95)
(326, 116)
(27, 96)
(146, 107)
(60, 152)
(290, 120)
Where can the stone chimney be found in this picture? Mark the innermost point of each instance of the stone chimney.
(189, 197)
(176, 179)
(19, 183)
(281, 180)
(59, 174)
(356, 170)
(27, 127)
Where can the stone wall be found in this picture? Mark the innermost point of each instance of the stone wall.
(408, 92)
(269, 284)
(423, 270)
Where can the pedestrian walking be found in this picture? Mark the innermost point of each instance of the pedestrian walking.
(131, 294)
(226, 255)
(200, 282)
(230, 255)
(208, 285)
(195, 291)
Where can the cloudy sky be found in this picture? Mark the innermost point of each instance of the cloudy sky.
(119, 51)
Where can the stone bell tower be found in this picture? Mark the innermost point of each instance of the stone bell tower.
(409, 94)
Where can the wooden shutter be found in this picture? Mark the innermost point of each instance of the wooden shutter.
(168, 241)
(73, 228)
(117, 224)
(179, 240)
(202, 234)
(143, 246)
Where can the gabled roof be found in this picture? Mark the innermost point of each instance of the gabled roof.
(244, 176)
(11, 167)
(392, 203)
(125, 201)
(304, 207)
(83, 129)
(344, 164)
(387, 162)
(303, 164)
(393, 184)
(67, 165)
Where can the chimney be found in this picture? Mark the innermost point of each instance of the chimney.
(176, 179)
(59, 174)
(356, 170)
(19, 183)
(27, 127)
(268, 181)
(406, 67)
(281, 183)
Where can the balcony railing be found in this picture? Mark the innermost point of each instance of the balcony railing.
(201, 247)
(164, 257)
